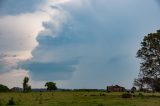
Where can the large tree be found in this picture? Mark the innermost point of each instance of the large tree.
(51, 86)
(26, 86)
(139, 83)
(3, 88)
(149, 53)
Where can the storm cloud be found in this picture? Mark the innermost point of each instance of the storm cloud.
(105, 34)
(86, 43)
(13, 7)
(20, 22)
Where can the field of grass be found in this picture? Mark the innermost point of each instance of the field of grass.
(78, 99)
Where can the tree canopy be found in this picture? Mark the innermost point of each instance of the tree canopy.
(3, 88)
(26, 87)
(149, 53)
(51, 86)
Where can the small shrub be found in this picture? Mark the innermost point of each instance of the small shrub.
(141, 95)
(11, 101)
(100, 104)
(134, 95)
(102, 94)
(126, 95)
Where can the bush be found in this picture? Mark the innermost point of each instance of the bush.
(11, 101)
(3, 88)
(102, 94)
(140, 94)
(100, 104)
(126, 95)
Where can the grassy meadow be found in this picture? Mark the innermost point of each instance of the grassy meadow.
(78, 99)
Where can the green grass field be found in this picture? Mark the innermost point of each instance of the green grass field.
(78, 99)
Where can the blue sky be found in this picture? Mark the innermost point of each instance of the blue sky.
(76, 43)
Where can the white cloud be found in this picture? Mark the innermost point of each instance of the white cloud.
(13, 78)
(18, 33)
(80, 28)
(96, 31)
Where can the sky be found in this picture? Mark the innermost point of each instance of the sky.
(75, 43)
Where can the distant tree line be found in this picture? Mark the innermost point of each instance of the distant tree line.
(88, 90)
(51, 86)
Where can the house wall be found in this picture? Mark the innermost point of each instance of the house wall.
(115, 89)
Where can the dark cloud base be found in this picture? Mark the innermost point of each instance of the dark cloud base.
(49, 70)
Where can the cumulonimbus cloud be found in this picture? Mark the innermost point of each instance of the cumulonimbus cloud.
(13, 7)
(88, 39)
(18, 30)
(96, 31)
(20, 22)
